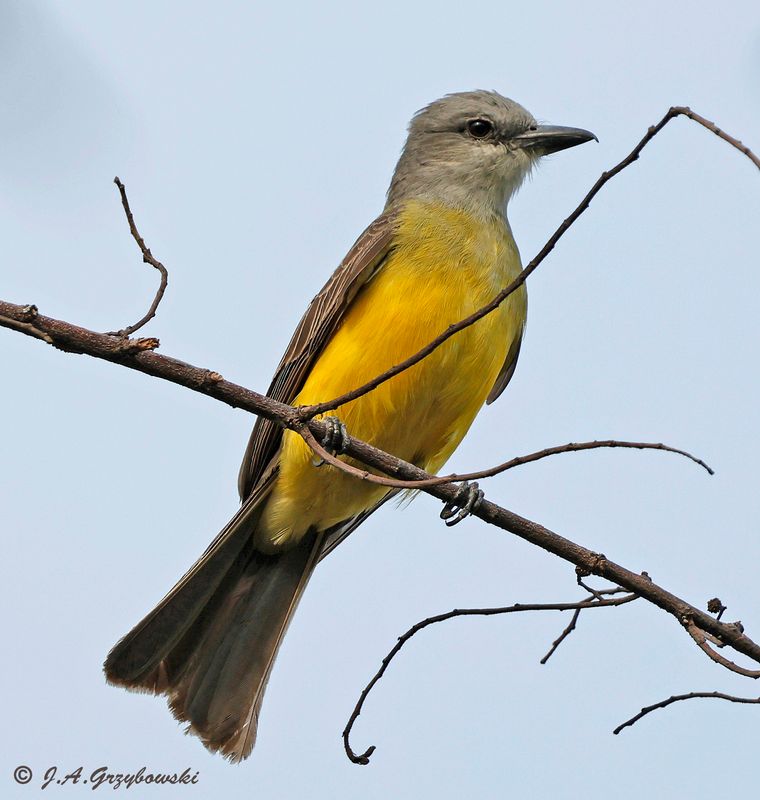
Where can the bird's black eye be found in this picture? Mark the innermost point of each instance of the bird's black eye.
(479, 128)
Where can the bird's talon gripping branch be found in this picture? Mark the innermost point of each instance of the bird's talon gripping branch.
(469, 498)
(335, 439)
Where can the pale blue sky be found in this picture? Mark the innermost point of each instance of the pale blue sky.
(256, 142)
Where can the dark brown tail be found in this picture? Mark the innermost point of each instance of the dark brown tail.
(210, 644)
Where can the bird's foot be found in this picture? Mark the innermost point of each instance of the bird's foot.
(335, 439)
(469, 498)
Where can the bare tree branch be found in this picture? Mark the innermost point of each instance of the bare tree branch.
(676, 698)
(147, 259)
(363, 758)
(310, 411)
(132, 354)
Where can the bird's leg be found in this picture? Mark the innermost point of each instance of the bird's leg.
(335, 439)
(467, 500)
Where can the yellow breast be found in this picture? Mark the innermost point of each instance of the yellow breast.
(444, 264)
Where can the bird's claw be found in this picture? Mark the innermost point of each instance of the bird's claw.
(335, 439)
(468, 499)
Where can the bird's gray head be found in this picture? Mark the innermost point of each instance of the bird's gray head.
(473, 150)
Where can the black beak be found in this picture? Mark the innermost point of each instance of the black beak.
(551, 138)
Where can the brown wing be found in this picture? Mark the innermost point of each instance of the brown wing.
(508, 370)
(320, 321)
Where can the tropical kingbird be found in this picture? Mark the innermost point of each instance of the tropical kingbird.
(441, 249)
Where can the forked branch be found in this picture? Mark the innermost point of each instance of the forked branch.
(148, 258)
(592, 602)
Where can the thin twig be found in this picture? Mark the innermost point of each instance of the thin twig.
(570, 627)
(676, 698)
(363, 758)
(595, 593)
(310, 411)
(561, 638)
(147, 259)
(571, 447)
(711, 126)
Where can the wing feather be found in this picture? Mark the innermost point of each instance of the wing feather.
(508, 370)
(317, 325)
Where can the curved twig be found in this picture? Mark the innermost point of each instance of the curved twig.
(701, 639)
(676, 698)
(311, 411)
(148, 258)
(571, 447)
(721, 134)
(363, 758)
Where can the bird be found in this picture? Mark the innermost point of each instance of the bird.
(441, 249)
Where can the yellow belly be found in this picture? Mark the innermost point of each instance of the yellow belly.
(444, 265)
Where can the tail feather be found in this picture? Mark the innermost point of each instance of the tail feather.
(221, 686)
(136, 660)
(211, 643)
